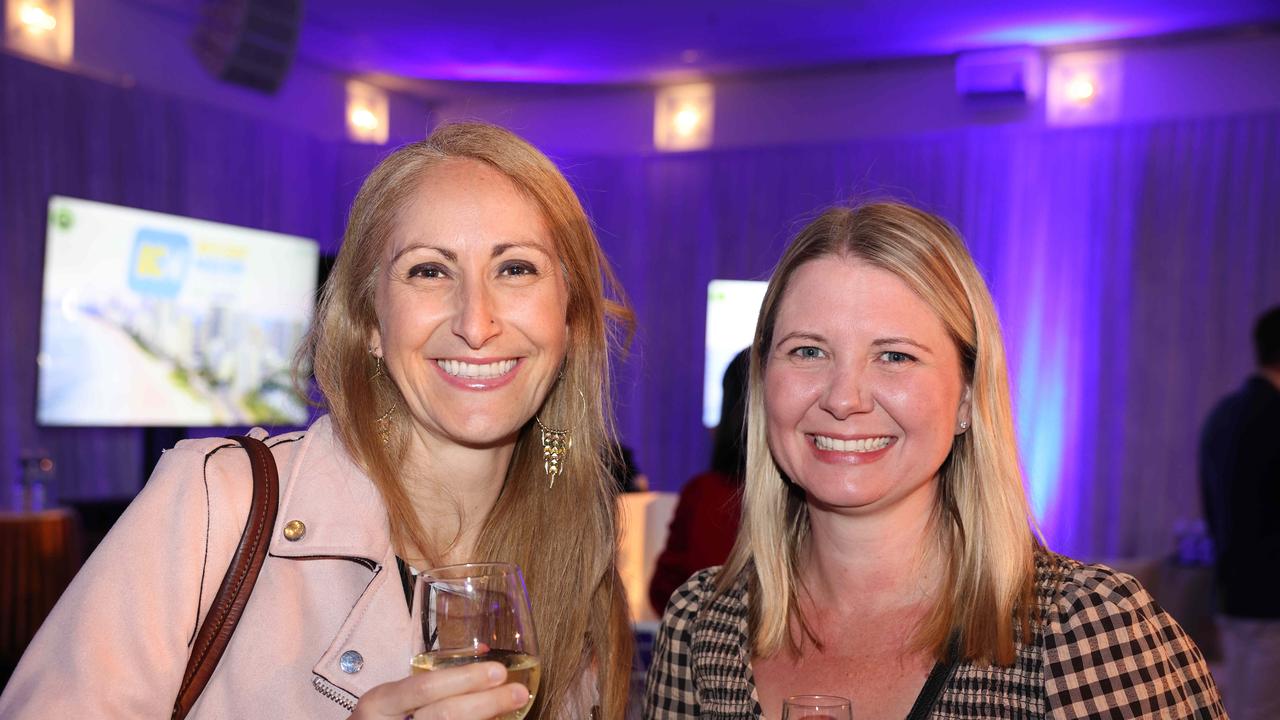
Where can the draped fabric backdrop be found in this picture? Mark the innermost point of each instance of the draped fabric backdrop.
(1127, 262)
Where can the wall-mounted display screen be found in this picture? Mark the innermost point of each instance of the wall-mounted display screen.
(159, 320)
(732, 307)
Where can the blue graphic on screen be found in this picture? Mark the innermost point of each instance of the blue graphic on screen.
(158, 263)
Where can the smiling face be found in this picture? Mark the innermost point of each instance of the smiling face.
(471, 305)
(863, 387)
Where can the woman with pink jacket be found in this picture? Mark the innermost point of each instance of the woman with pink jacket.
(466, 318)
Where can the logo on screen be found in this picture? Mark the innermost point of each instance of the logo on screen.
(159, 262)
(62, 218)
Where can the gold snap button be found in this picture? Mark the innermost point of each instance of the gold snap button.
(294, 530)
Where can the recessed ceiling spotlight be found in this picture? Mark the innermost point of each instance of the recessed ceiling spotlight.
(366, 113)
(363, 118)
(40, 28)
(682, 117)
(1080, 89)
(1084, 88)
(687, 120)
(36, 19)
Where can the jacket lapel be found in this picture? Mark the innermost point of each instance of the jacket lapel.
(345, 519)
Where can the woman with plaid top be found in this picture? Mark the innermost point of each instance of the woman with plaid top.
(886, 552)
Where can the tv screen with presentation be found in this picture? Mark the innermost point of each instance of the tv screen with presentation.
(732, 307)
(150, 319)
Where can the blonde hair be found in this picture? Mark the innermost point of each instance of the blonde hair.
(982, 520)
(564, 538)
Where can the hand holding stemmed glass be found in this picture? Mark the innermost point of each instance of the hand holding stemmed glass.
(472, 613)
(469, 623)
(817, 707)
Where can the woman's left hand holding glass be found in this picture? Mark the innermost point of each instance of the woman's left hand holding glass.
(477, 690)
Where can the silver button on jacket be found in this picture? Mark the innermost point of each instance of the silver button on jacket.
(351, 661)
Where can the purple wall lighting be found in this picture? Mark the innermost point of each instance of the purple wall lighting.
(1062, 281)
(1044, 298)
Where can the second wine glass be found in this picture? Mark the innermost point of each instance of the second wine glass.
(817, 707)
(475, 613)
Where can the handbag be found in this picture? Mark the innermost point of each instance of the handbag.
(228, 605)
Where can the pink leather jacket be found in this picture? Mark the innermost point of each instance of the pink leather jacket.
(326, 622)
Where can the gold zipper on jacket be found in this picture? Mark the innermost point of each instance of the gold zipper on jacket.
(334, 693)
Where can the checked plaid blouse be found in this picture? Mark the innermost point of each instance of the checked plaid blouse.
(1104, 649)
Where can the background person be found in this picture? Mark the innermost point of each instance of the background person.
(886, 553)
(1240, 485)
(705, 522)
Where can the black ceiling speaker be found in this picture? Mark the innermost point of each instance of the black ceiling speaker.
(249, 42)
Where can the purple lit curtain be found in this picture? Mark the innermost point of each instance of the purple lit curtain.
(1127, 263)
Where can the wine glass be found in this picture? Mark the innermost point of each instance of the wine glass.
(475, 613)
(817, 707)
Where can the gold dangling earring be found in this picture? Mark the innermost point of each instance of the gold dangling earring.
(384, 424)
(555, 448)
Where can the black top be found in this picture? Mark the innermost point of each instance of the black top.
(1240, 486)
(936, 681)
(406, 581)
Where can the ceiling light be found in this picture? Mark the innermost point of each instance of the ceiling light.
(687, 120)
(363, 118)
(682, 117)
(41, 29)
(1084, 88)
(36, 19)
(366, 113)
(1080, 89)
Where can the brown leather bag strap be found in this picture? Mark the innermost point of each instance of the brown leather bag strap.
(228, 604)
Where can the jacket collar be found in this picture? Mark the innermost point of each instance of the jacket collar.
(337, 502)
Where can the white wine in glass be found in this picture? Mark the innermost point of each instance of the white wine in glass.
(817, 707)
(475, 613)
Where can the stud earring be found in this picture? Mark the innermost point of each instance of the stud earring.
(964, 425)
(555, 448)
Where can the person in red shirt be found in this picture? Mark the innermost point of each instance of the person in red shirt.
(705, 523)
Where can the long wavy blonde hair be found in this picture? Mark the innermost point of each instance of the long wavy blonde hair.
(564, 538)
(984, 530)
